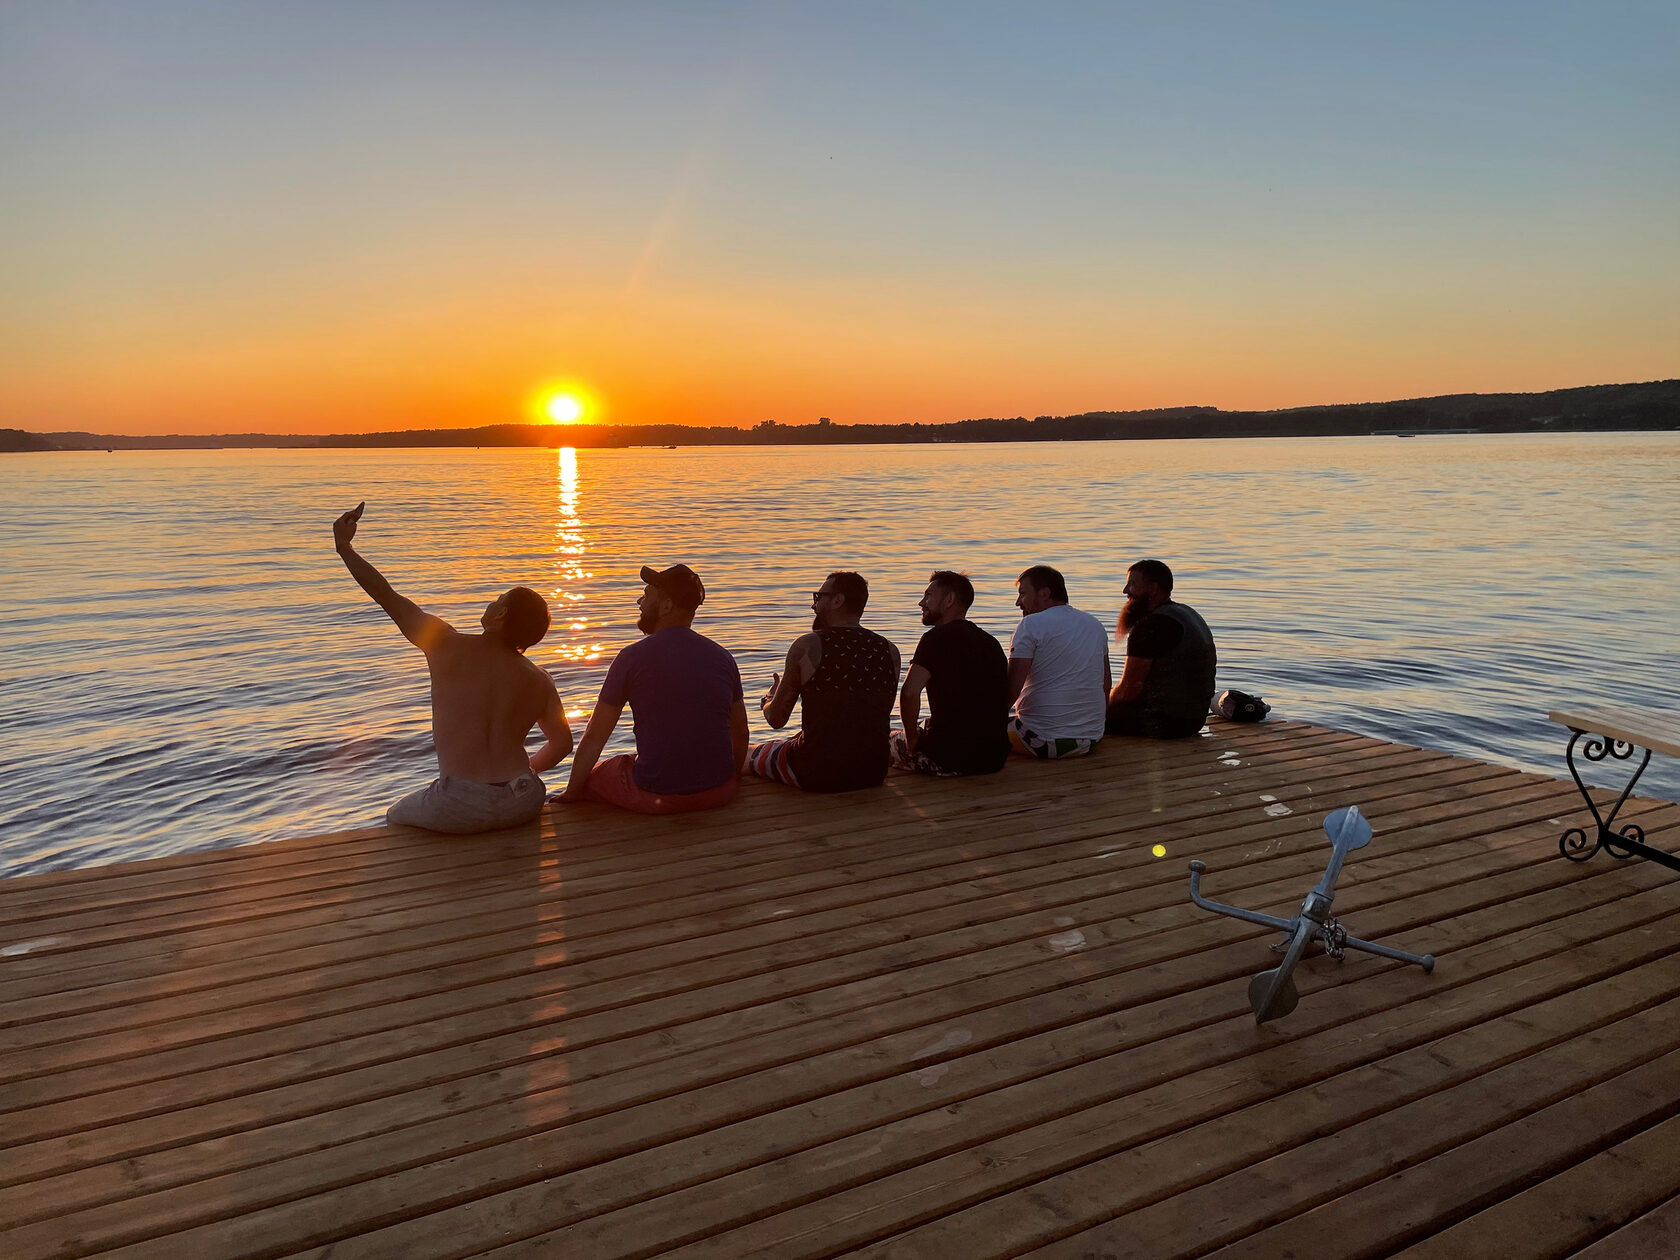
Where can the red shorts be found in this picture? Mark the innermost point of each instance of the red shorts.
(612, 782)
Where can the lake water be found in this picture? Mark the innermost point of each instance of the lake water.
(186, 665)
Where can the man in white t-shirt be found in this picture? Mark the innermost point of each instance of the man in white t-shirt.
(1058, 671)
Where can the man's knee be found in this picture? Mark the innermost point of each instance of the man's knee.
(770, 760)
(613, 781)
(410, 811)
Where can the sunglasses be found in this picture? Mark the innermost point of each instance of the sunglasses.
(816, 595)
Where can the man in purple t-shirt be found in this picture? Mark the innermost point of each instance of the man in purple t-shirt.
(684, 692)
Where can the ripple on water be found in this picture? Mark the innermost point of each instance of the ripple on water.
(187, 666)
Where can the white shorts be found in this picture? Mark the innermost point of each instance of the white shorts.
(462, 807)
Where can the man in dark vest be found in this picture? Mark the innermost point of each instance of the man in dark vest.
(1167, 684)
(845, 677)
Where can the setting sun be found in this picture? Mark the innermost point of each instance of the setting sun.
(564, 408)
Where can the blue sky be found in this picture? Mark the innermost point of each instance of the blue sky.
(311, 215)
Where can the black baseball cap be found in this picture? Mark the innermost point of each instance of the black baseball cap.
(680, 582)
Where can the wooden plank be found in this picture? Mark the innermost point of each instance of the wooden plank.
(760, 1032)
(620, 1124)
(893, 853)
(668, 1028)
(1609, 1082)
(605, 827)
(1148, 1090)
(1156, 886)
(1653, 1235)
(744, 832)
(507, 1010)
(1162, 1101)
(1581, 1204)
(161, 947)
(379, 932)
(835, 888)
(726, 848)
(962, 944)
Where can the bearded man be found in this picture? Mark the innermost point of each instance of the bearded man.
(846, 678)
(1167, 683)
(1059, 676)
(684, 693)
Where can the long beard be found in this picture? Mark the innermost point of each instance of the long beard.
(1134, 611)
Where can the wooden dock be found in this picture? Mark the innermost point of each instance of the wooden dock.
(945, 1018)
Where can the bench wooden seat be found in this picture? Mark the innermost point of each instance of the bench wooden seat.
(1644, 728)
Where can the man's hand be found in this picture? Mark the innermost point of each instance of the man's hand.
(344, 528)
(573, 795)
(419, 627)
(768, 696)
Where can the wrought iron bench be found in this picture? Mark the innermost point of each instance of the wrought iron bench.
(1615, 733)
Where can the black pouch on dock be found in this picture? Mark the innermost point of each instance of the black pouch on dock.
(1239, 706)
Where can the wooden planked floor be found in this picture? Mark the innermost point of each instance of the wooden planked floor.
(941, 1019)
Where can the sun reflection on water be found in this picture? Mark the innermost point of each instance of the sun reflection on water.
(569, 570)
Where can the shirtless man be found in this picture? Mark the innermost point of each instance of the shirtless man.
(485, 698)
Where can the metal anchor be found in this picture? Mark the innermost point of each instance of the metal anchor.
(1273, 993)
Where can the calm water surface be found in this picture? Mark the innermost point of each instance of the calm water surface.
(185, 663)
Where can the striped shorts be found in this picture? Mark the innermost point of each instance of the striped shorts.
(770, 760)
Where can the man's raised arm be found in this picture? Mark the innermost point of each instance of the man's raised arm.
(418, 626)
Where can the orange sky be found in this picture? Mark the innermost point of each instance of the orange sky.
(234, 225)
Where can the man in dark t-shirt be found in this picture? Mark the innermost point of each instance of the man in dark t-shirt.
(843, 677)
(1167, 683)
(966, 677)
(684, 693)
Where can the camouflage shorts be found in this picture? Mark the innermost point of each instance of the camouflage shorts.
(1031, 744)
(901, 757)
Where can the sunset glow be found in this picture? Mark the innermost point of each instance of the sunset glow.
(804, 215)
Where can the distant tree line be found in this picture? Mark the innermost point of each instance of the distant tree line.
(1648, 406)
(1654, 405)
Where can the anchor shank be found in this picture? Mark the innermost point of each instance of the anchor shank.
(1235, 912)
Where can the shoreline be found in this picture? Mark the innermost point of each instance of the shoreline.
(1646, 406)
(299, 444)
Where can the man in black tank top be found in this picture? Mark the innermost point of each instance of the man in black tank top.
(1167, 685)
(846, 678)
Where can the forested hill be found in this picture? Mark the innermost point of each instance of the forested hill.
(1647, 406)
(1653, 405)
(18, 440)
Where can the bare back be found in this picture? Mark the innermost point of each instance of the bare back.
(485, 699)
